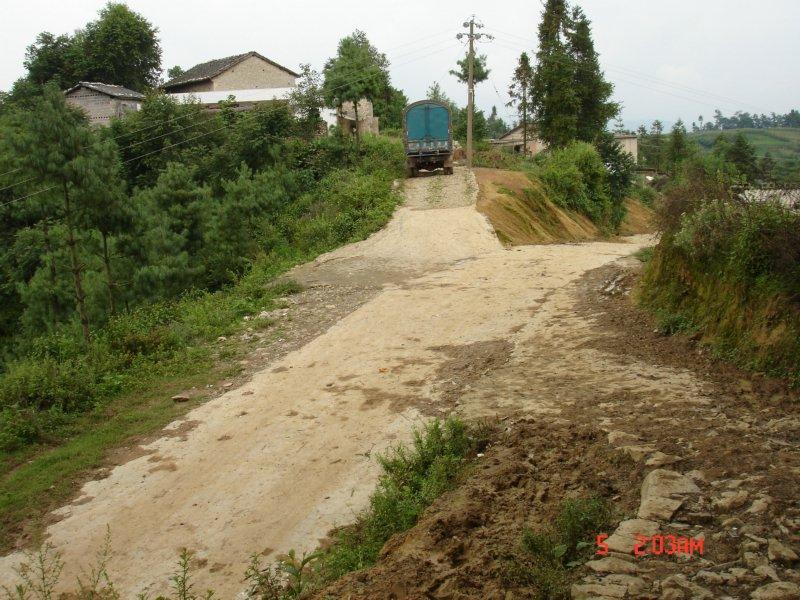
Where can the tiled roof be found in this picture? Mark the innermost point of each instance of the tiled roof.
(212, 68)
(115, 91)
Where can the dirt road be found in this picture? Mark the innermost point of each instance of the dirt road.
(278, 462)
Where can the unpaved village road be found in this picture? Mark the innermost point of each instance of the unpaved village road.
(276, 463)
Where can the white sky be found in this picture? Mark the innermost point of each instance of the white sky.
(733, 54)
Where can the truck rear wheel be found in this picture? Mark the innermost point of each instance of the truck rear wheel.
(411, 172)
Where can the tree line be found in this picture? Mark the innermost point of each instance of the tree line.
(745, 120)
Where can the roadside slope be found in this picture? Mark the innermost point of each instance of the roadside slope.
(521, 212)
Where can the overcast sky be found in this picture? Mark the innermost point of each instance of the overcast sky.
(667, 59)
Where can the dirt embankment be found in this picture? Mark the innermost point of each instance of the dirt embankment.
(521, 212)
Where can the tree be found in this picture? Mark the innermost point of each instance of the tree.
(620, 167)
(480, 72)
(678, 148)
(479, 125)
(436, 93)
(495, 126)
(174, 72)
(742, 154)
(307, 101)
(53, 58)
(56, 149)
(555, 101)
(592, 90)
(122, 47)
(358, 71)
(520, 93)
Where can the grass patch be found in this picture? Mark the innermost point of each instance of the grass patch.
(412, 478)
(644, 255)
(548, 555)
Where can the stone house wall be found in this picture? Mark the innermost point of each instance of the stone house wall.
(250, 74)
(99, 108)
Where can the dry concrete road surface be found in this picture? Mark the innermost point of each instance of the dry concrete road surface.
(278, 462)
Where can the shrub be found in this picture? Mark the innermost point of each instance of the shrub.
(576, 178)
(548, 553)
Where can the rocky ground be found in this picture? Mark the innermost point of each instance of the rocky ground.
(681, 445)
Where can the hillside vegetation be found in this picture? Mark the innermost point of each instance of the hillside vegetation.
(728, 271)
(196, 234)
(781, 142)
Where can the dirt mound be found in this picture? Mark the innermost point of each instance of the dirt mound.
(521, 212)
(465, 544)
(638, 218)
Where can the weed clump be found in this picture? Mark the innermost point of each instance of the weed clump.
(547, 555)
(413, 477)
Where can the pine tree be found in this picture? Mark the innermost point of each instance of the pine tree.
(56, 148)
(593, 92)
(495, 126)
(678, 148)
(520, 93)
(555, 101)
(480, 72)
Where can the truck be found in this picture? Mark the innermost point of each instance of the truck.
(428, 137)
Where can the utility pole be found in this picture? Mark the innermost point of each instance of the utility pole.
(472, 24)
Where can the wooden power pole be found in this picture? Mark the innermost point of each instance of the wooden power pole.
(472, 24)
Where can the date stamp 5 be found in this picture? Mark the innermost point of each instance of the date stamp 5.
(658, 545)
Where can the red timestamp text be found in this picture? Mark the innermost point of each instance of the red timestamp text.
(658, 545)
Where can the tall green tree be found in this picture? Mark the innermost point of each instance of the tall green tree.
(56, 149)
(53, 58)
(495, 126)
(555, 101)
(358, 71)
(679, 148)
(121, 47)
(593, 92)
(520, 93)
(307, 101)
(436, 93)
(389, 107)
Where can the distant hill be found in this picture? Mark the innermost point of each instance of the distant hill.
(783, 143)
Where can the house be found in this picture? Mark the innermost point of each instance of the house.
(629, 143)
(250, 78)
(101, 101)
(513, 140)
(345, 117)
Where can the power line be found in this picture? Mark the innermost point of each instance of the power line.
(657, 80)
